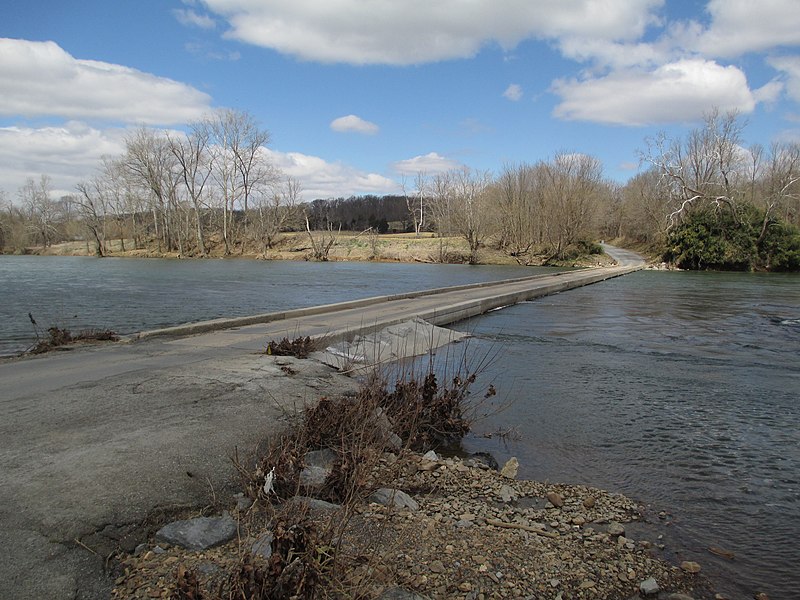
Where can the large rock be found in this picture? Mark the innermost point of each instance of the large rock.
(318, 467)
(397, 593)
(392, 497)
(511, 468)
(200, 533)
(649, 587)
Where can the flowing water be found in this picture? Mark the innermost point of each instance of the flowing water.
(681, 390)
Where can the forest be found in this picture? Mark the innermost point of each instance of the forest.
(702, 201)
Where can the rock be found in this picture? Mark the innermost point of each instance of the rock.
(430, 455)
(510, 469)
(396, 593)
(314, 503)
(200, 533)
(506, 494)
(318, 466)
(436, 566)
(555, 499)
(262, 546)
(690, 566)
(243, 503)
(615, 529)
(761, 596)
(679, 597)
(589, 502)
(482, 460)
(649, 587)
(394, 441)
(392, 497)
(578, 520)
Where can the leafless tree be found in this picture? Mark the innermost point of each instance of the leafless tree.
(571, 186)
(195, 168)
(707, 168)
(462, 207)
(276, 210)
(415, 202)
(42, 212)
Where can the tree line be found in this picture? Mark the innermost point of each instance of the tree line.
(702, 201)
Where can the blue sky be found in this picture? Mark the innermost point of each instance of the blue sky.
(359, 94)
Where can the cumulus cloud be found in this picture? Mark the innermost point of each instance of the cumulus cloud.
(513, 92)
(419, 31)
(429, 164)
(322, 179)
(741, 26)
(41, 79)
(354, 124)
(678, 91)
(68, 154)
(190, 18)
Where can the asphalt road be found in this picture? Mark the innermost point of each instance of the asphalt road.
(95, 439)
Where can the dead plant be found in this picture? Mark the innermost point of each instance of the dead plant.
(299, 347)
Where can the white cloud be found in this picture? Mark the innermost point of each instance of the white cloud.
(679, 91)
(322, 179)
(420, 31)
(790, 67)
(41, 79)
(68, 154)
(741, 26)
(513, 92)
(354, 124)
(430, 164)
(190, 18)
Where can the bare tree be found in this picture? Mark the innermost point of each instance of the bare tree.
(571, 187)
(277, 209)
(415, 202)
(242, 165)
(91, 202)
(150, 163)
(708, 168)
(519, 211)
(42, 211)
(195, 167)
(462, 207)
(322, 241)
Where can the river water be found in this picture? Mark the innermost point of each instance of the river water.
(681, 390)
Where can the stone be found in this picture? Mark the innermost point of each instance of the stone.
(649, 587)
(243, 503)
(506, 493)
(436, 566)
(589, 502)
(555, 499)
(318, 466)
(392, 497)
(615, 529)
(690, 566)
(679, 597)
(430, 455)
(200, 533)
(262, 546)
(510, 469)
(761, 596)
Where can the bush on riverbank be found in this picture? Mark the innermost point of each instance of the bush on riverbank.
(728, 241)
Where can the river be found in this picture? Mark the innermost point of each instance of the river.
(681, 390)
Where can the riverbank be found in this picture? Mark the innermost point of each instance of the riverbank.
(349, 246)
(467, 532)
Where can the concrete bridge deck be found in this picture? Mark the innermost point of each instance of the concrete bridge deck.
(94, 439)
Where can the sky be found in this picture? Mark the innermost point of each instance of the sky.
(360, 95)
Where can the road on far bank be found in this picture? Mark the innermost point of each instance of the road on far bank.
(97, 438)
